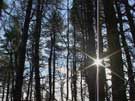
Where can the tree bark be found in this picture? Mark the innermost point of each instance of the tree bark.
(67, 59)
(101, 69)
(90, 49)
(30, 81)
(50, 69)
(74, 67)
(118, 87)
(54, 67)
(36, 36)
(3, 90)
(1, 4)
(130, 19)
(8, 84)
(130, 67)
(21, 55)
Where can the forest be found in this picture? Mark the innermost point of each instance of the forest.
(67, 50)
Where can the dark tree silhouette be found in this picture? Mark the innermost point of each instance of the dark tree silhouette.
(21, 54)
(130, 67)
(118, 86)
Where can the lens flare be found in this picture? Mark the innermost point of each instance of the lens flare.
(98, 62)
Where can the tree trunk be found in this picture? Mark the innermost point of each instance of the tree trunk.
(36, 36)
(130, 67)
(8, 84)
(21, 55)
(90, 49)
(54, 70)
(3, 90)
(118, 87)
(67, 64)
(30, 81)
(130, 19)
(74, 67)
(50, 69)
(1, 4)
(101, 69)
(61, 89)
(12, 75)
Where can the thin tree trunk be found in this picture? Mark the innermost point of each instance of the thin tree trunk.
(31, 90)
(12, 75)
(12, 89)
(30, 82)
(101, 69)
(50, 69)
(67, 66)
(8, 84)
(74, 67)
(1, 5)
(3, 91)
(54, 70)
(36, 36)
(62, 92)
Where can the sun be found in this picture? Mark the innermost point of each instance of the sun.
(98, 62)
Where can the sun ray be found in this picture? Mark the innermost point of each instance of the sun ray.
(110, 55)
(98, 62)
(87, 67)
(114, 73)
(90, 57)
